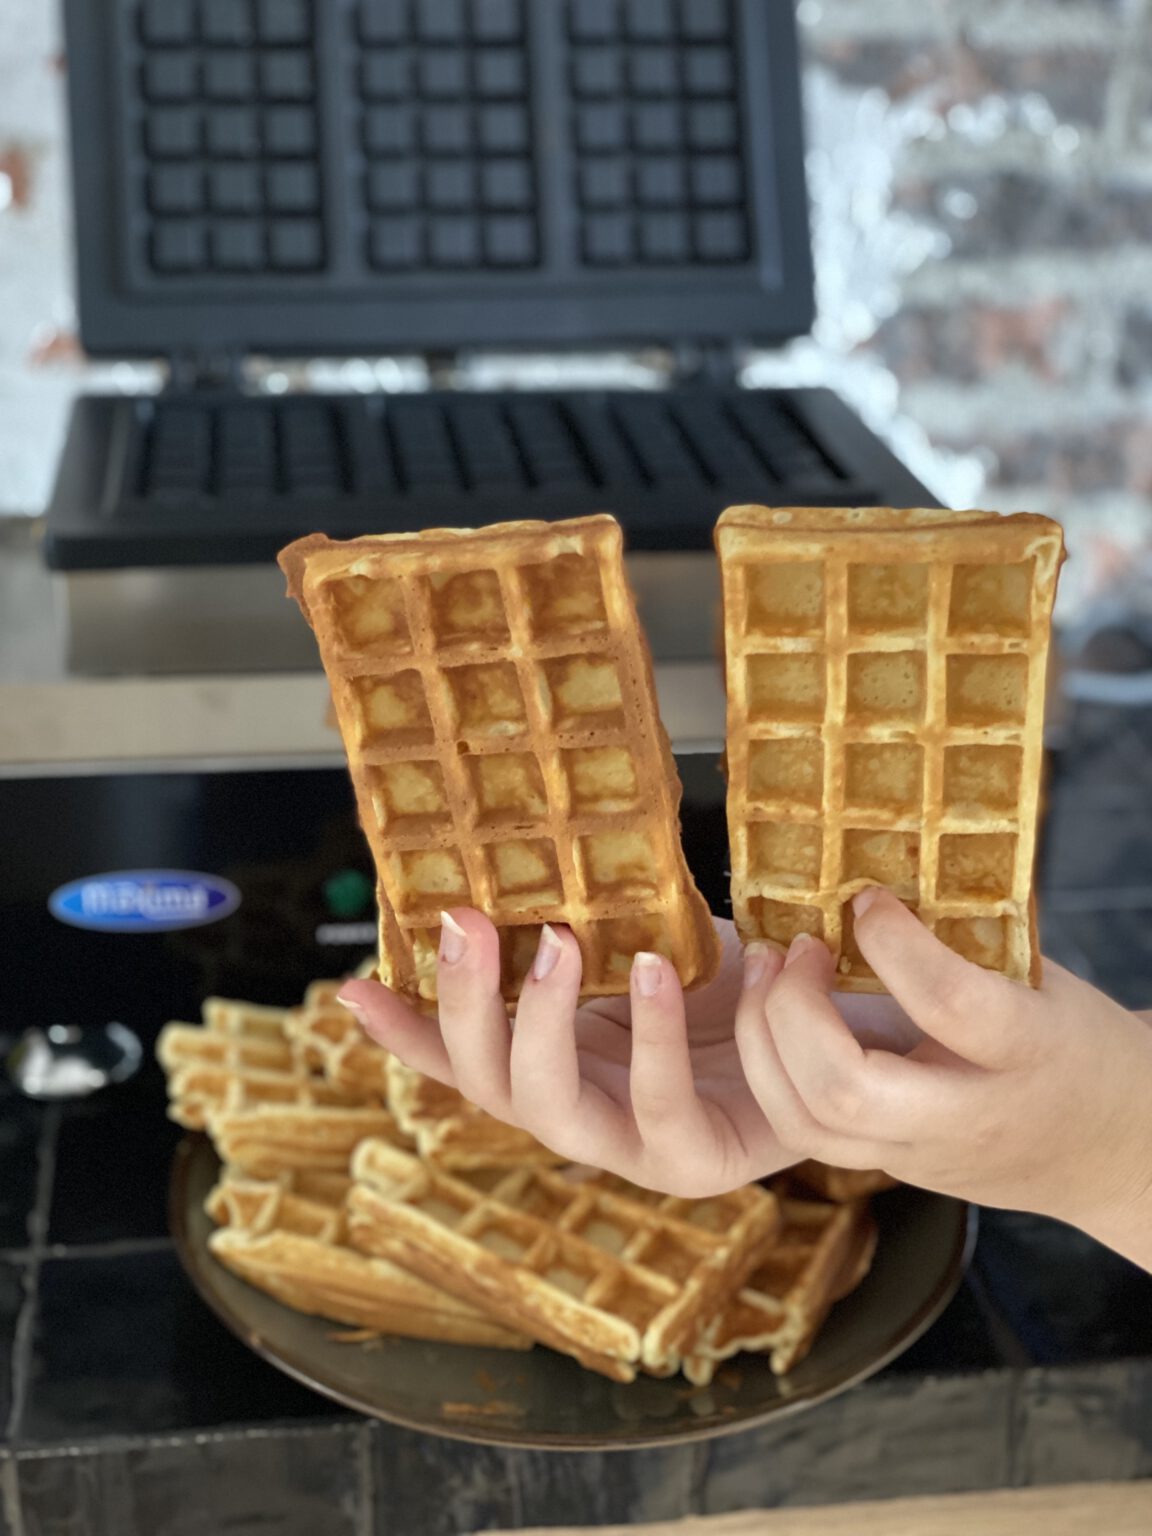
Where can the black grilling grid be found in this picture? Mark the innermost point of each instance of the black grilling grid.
(223, 130)
(183, 452)
(359, 141)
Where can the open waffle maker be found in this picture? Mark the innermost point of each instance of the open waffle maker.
(358, 177)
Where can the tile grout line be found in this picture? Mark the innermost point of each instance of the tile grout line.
(113, 1248)
(37, 1235)
(1011, 1346)
(366, 1491)
(110, 1248)
(10, 1495)
(177, 1439)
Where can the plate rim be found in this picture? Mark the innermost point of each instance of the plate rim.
(196, 1145)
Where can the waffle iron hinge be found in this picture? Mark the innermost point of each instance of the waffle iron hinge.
(708, 364)
(200, 372)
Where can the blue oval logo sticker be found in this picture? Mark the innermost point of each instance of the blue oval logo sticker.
(144, 901)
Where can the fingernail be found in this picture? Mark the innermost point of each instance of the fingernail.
(799, 944)
(863, 900)
(353, 1008)
(755, 964)
(649, 972)
(453, 939)
(547, 954)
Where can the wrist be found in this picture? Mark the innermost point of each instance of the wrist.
(1129, 1232)
(1111, 1199)
(1120, 1214)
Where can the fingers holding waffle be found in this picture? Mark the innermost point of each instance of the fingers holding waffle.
(972, 1012)
(394, 1025)
(472, 1013)
(851, 1091)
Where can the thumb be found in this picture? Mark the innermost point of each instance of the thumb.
(971, 1011)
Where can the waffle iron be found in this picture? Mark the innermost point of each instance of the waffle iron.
(328, 178)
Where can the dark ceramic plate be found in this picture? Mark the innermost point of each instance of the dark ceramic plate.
(545, 1400)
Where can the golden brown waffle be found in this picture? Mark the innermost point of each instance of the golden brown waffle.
(453, 1133)
(822, 1253)
(243, 1080)
(288, 1237)
(496, 701)
(619, 1284)
(335, 1045)
(324, 993)
(443, 1125)
(266, 1142)
(199, 1056)
(885, 708)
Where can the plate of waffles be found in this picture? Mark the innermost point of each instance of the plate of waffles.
(382, 1240)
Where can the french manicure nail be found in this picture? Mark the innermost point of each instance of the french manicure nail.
(547, 954)
(863, 900)
(755, 964)
(799, 944)
(649, 972)
(453, 939)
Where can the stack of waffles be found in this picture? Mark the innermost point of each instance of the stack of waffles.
(356, 1190)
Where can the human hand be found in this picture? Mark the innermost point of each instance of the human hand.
(649, 1086)
(1031, 1099)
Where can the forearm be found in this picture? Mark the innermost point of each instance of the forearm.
(1126, 1225)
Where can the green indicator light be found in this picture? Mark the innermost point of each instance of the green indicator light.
(347, 894)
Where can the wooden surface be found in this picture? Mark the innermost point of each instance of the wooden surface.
(1107, 1509)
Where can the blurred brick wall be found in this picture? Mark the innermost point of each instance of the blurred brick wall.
(982, 180)
(981, 173)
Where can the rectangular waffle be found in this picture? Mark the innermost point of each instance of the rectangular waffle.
(616, 1283)
(445, 1127)
(240, 1077)
(335, 1046)
(288, 1237)
(496, 700)
(885, 710)
(823, 1252)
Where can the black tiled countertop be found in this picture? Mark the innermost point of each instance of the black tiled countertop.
(114, 1151)
(126, 1407)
